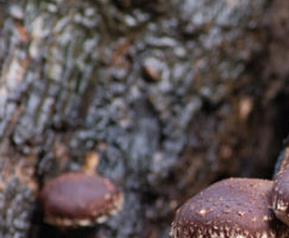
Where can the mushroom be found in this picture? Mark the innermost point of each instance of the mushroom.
(78, 200)
(280, 196)
(232, 208)
(282, 161)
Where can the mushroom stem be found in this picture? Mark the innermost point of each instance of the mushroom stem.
(91, 163)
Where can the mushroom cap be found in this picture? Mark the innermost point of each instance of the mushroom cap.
(280, 196)
(232, 208)
(77, 199)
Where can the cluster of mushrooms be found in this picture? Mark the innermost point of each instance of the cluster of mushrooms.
(238, 208)
(232, 208)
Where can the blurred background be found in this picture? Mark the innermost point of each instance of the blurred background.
(169, 95)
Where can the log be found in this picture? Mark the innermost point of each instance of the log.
(168, 95)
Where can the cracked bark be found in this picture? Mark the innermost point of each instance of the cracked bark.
(168, 94)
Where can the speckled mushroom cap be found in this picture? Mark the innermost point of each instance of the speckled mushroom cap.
(77, 199)
(280, 198)
(232, 208)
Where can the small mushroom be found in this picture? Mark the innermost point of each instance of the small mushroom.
(280, 198)
(79, 200)
(232, 208)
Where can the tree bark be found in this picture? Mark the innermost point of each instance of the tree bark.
(169, 95)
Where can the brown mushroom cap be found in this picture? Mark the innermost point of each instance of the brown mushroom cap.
(77, 199)
(232, 208)
(281, 196)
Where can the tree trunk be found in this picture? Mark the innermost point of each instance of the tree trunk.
(169, 95)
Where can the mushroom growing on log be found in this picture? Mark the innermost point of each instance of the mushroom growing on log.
(79, 200)
(231, 208)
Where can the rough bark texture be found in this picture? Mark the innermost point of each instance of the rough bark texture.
(170, 95)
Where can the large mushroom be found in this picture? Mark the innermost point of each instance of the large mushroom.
(232, 208)
(79, 199)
